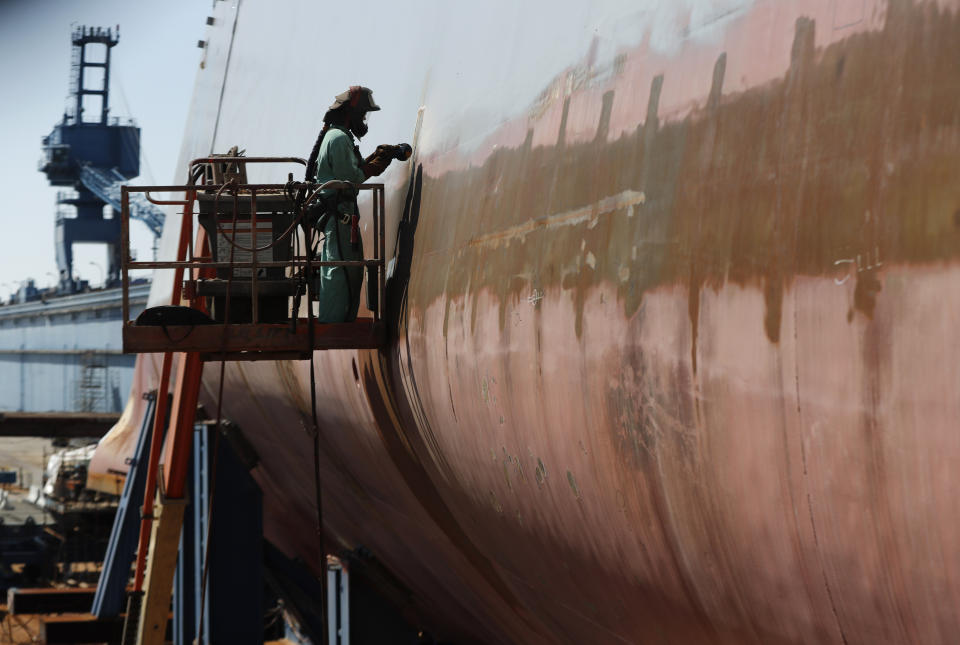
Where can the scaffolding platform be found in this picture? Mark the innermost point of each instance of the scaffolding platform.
(244, 273)
(253, 342)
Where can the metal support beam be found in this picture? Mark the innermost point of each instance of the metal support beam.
(53, 425)
(111, 591)
(338, 603)
(48, 601)
(184, 627)
(71, 629)
(161, 555)
(158, 586)
(79, 628)
(232, 606)
(253, 342)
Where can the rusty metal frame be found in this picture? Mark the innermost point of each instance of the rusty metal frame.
(138, 339)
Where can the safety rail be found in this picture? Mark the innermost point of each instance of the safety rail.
(253, 339)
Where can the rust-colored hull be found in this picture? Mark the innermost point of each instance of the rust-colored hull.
(671, 348)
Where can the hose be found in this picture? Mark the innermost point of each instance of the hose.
(346, 276)
(318, 491)
(335, 184)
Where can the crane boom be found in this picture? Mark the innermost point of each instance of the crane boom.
(106, 185)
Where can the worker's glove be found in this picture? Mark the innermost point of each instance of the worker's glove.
(376, 163)
(384, 154)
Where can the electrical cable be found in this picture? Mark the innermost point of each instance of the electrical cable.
(316, 439)
(346, 276)
(330, 184)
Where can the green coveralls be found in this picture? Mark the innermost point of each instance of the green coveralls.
(339, 286)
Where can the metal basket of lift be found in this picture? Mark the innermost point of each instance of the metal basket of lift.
(248, 266)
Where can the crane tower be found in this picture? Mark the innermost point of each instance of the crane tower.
(93, 154)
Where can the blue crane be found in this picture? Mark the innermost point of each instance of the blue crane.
(95, 154)
(106, 184)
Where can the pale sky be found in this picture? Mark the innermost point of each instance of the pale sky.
(152, 76)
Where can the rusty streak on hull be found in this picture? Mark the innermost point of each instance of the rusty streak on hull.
(686, 380)
(832, 174)
(833, 162)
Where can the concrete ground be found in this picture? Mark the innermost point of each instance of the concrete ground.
(17, 630)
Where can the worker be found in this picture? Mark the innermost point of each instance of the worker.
(335, 156)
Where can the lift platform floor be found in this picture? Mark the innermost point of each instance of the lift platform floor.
(253, 342)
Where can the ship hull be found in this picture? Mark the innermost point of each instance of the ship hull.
(670, 335)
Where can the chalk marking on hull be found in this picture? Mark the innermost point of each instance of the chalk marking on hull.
(605, 206)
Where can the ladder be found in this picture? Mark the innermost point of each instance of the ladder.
(187, 345)
(92, 385)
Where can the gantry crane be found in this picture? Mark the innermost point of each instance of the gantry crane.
(94, 154)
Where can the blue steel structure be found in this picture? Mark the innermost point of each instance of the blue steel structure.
(94, 154)
(112, 588)
(234, 604)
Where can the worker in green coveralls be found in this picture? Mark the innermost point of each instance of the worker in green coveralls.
(336, 156)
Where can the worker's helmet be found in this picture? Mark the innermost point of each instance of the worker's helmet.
(358, 99)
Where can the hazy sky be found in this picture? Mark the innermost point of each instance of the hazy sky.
(152, 75)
